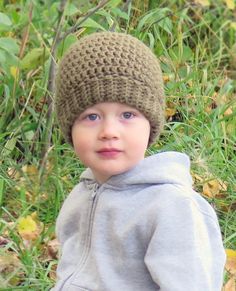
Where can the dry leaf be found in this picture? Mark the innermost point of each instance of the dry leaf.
(196, 177)
(29, 228)
(166, 78)
(13, 173)
(230, 265)
(10, 269)
(213, 187)
(3, 241)
(204, 3)
(230, 4)
(53, 249)
(52, 273)
(221, 99)
(170, 109)
(228, 111)
(230, 285)
(30, 170)
(170, 112)
(8, 262)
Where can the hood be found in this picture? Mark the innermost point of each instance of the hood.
(161, 168)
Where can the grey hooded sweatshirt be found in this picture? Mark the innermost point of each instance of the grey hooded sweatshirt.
(143, 230)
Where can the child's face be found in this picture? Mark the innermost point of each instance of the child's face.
(110, 138)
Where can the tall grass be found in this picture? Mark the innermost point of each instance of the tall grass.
(195, 47)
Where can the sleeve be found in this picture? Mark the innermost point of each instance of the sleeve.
(186, 250)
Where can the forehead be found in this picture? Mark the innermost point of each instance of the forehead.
(110, 106)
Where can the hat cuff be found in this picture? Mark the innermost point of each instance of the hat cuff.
(123, 89)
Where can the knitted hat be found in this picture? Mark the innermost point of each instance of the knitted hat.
(109, 67)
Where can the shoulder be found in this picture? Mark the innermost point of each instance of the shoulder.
(176, 200)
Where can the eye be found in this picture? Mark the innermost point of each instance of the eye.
(92, 117)
(127, 115)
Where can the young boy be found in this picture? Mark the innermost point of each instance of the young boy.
(132, 223)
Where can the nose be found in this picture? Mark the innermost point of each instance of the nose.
(108, 130)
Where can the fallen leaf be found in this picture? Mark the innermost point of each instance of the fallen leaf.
(230, 285)
(213, 188)
(196, 177)
(170, 109)
(30, 170)
(228, 111)
(10, 269)
(166, 78)
(230, 265)
(3, 241)
(8, 262)
(29, 228)
(230, 4)
(204, 3)
(13, 173)
(52, 273)
(53, 249)
(169, 112)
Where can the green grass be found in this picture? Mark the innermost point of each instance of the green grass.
(196, 53)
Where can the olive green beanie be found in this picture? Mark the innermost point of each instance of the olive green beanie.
(109, 67)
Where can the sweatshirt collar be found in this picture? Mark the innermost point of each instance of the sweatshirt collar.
(162, 168)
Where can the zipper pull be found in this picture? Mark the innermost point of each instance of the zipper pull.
(94, 190)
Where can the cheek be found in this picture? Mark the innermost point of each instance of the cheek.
(141, 135)
(82, 151)
(79, 142)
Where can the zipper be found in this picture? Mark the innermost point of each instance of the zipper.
(93, 199)
(85, 253)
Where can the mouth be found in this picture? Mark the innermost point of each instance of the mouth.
(109, 152)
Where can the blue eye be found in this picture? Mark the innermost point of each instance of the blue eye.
(92, 117)
(127, 115)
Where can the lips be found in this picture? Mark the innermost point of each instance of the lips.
(109, 152)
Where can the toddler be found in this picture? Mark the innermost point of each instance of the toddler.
(132, 223)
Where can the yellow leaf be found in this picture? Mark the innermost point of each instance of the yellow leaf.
(231, 261)
(230, 253)
(166, 78)
(196, 177)
(26, 224)
(14, 71)
(203, 2)
(170, 109)
(29, 228)
(30, 170)
(230, 4)
(170, 112)
(213, 187)
(233, 25)
(228, 111)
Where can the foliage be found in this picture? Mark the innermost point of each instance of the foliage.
(196, 44)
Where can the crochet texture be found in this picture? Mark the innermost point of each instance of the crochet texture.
(109, 66)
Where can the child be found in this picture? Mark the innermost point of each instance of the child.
(132, 223)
